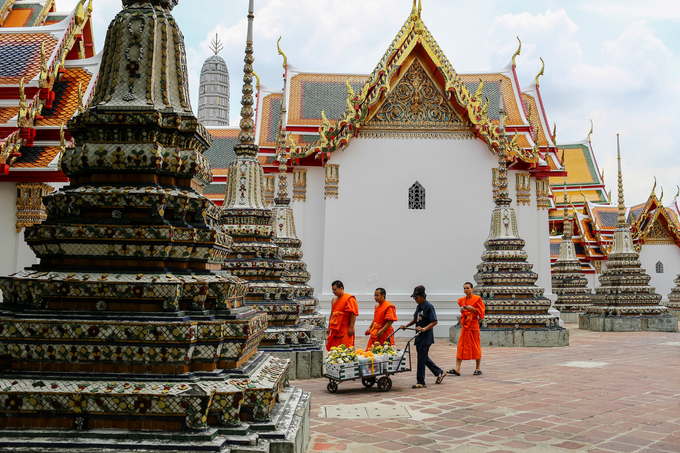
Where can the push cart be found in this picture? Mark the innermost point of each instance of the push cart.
(385, 368)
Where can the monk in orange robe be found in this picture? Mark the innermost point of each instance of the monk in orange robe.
(384, 315)
(472, 309)
(344, 312)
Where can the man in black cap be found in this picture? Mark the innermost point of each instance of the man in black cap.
(425, 318)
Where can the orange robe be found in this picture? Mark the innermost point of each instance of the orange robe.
(383, 312)
(469, 344)
(339, 323)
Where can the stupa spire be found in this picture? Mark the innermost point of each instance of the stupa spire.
(624, 300)
(246, 137)
(514, 304)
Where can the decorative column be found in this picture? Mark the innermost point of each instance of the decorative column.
(624, 301)
(30, 207)
(523, 188)
(332, 180)
(568, 281)
(269, 189)
(542, 194)
(300, 184)
(516, 310)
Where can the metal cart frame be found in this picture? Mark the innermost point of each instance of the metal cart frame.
(368, 381)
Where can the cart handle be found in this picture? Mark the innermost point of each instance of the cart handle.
(396, 330)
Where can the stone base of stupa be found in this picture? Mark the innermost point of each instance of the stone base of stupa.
(287, 432)
(529, 338)
(602, 323)
(570, 317)
(673, 309)
(305, 361)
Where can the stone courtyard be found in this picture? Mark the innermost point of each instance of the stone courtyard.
(606, 392)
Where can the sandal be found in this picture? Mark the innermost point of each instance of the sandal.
(441, 377)
(419, 386)
(477, 372)
(454, 372)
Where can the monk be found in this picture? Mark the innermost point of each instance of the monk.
(469, 345)
(344, 312)
(383, 316)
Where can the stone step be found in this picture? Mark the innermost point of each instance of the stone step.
(288, 401)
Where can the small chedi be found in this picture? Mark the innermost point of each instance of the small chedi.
(568, 281)
(673, 303)
(516, 310)
(257, 258)
(129, 334)
(624, 301)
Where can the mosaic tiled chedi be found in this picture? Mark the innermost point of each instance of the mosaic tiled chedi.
(129, 321)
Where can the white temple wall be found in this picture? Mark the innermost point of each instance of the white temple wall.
(372, 239)
(309, 224)
(593, 280)
(16, 253)
(669, 256)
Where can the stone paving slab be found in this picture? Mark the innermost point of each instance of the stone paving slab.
(606, 392)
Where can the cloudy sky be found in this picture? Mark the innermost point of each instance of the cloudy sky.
(613, 61)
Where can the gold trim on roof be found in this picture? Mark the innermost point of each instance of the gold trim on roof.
(378, 86)
(519, 49)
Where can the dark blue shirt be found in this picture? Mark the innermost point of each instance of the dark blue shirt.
(423, 316)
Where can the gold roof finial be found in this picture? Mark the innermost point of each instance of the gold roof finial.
(414, 12)
(661, 197)
(216, 45)
(562, 159)
(541, 72)
(602, 175)
(516, 52)
(80, 14)
(420, 8)
(257, 77)
(44, 70)
(23, 105)
(580, 190)
(591, 130)
(654, 188)
(89, 8)
(554, 135)
(621, 220)
(675, 200)
(81, 105)
(285, 58)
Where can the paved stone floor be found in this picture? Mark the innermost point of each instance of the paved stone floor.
(606, 392)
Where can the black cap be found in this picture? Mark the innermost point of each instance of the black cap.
(418, 291)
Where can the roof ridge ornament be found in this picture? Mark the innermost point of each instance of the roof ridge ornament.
(591, 130)
(285, 58)
(675, 200)
(542, 72)
(516, 52)
(661, 198)
(216, 45)
(554, 137)
(654, 188)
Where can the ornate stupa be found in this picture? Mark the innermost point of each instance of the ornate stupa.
(568, 281)
(673, 303)
(284, 226)
(624, 301)
(213, 92)
(254, 255)
(516, 309)
(129, 325)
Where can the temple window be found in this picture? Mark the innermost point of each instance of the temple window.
(659, 267)
(416, 196)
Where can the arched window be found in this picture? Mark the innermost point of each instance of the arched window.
(659, 267)
(416, 196)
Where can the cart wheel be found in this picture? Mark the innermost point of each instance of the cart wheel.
(368, 382)
(384, 384)
(332, 386)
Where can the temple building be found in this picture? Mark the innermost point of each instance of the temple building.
(130, 325)
(48, 69)
(386, 162)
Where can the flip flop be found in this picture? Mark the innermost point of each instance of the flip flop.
(419, 386)
(441, 377)
(454, 372)
(477, 372)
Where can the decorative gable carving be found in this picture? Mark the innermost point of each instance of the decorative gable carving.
(415, 103)
(657, 234)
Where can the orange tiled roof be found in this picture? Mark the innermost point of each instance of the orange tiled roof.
(509, 102)
(66, 97)
(18, 18)
(224, 133)
(7, 114)
(269, 125)
(311, 93)
(36, 157)
(535, 119)
(20, 55)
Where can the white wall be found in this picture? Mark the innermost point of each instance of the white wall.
(669, 255)
(16, 254)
